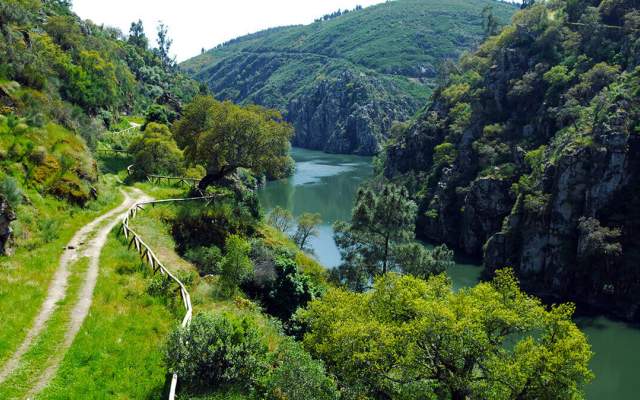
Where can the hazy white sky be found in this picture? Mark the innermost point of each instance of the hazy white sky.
(194, 24)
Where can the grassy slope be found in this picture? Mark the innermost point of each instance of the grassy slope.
(118, 353)
(26, 275)
(391, 40)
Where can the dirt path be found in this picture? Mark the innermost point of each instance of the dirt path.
(87, 242)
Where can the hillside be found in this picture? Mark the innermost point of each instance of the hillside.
(343, 81)
(64, 82)
(529, 156)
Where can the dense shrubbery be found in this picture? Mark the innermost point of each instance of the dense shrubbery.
(217, 350)
(278, 281)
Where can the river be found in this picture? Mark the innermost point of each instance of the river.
(327, 184)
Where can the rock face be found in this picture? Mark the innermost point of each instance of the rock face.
(346, 115)
(547, 245)
(530, 160)
(6, 217)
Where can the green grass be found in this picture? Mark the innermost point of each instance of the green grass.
(25, 276)
(35, 360)
(118, 351)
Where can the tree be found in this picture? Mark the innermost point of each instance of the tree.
(379, 222)
(307, 226)
(236, 264)
(164, 48)
(137, 36)
(155, 152)
(414, 339)
(223, 137)
(281, 219)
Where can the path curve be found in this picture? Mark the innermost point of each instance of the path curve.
(57, 291)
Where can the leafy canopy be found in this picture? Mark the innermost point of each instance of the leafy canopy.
(414, 339)
(223, 137)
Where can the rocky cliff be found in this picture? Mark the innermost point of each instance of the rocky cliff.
(530, 156)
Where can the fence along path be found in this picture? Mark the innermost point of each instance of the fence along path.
(148, 256)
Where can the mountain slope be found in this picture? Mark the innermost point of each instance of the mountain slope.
(530, 155)
(342, 82)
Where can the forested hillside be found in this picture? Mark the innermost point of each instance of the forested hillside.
(343, 80)
(529, 155)
(63, 83)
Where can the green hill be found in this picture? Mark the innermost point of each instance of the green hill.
(343, 81)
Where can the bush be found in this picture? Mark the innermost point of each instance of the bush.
(278, 283)
(216, 350)
(296, 376)
(197, 226)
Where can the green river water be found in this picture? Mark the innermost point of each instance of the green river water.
(327, 183)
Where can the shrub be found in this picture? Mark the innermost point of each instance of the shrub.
(216, 350)
(156, 152)
(71, 188)
(159, 286)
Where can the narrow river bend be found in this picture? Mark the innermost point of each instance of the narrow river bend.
(327, 184)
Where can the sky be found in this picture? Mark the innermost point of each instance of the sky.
(197, 24)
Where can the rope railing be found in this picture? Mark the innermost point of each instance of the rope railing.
(148, 256)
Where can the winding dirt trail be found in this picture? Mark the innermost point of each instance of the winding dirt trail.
(87, 242)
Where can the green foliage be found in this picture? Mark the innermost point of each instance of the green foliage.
(236, 266)
(414, 339)
(194, 227)
(158, 114)
(296, 376)
(155, 152)
(279, 284)
(416, 260)
(216, 350)
(10, 191)
(444, 154)
(224, 137)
